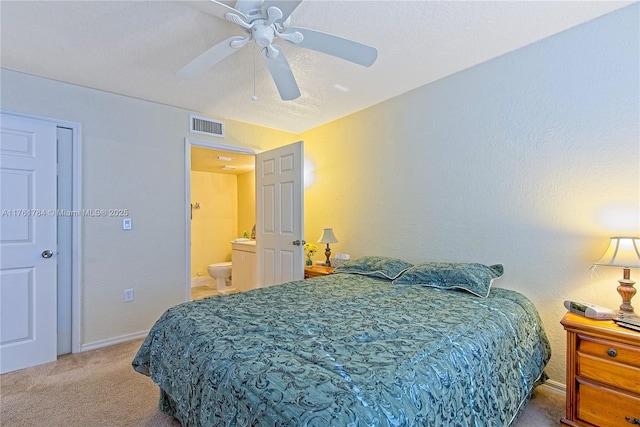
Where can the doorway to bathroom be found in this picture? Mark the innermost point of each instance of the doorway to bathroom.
(221, 202)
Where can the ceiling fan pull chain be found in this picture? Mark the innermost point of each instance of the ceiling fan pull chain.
(254, 97)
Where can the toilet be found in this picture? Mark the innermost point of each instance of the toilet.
(221, 272)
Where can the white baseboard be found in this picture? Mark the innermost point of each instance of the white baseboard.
(111, 341)
(555, 386)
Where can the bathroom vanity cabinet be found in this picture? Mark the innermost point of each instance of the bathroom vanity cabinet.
(243, 265)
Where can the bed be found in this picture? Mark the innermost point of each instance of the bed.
(348, 350)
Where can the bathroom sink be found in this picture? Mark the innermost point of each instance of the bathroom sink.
(244, 245)
(244, 242)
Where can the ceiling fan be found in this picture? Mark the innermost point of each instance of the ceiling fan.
(265, 21)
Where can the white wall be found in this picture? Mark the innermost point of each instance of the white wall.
(531, 160)
(132, 158)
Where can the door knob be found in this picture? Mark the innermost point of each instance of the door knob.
(47, 254)
(298, 242)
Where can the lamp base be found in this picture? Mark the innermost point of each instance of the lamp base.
(626, 291)
(327, 253)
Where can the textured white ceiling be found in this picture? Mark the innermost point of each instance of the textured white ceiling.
(134, 48)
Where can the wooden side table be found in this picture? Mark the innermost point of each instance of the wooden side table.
(317, 270)
(603, 373)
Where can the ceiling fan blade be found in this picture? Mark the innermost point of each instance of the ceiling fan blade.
(281, 73)
(336, 46)
(215, 8)
(286, 6)
(209, 58)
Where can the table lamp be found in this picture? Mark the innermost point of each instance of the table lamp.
(328, 237)
(623, 252)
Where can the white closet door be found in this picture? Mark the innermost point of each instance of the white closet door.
(27, 243)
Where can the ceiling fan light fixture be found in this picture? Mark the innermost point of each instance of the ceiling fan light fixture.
(263, 34)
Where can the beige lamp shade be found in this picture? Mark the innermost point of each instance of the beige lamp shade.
(622, 252)
(328, 236)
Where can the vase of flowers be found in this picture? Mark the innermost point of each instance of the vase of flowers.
(310, 250)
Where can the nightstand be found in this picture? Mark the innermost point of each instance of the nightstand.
(317, 270)
(603, 373)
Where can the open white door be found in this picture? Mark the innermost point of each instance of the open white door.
(27, 243)
(279, 215)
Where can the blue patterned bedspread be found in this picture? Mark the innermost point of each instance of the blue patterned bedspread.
(347, 350)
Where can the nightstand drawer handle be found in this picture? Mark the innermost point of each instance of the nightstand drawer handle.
(632, 420)
(613, 353)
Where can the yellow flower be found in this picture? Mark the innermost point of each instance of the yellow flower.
(310, 249)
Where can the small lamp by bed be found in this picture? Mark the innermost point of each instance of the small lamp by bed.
(328, 237)
(623, 252)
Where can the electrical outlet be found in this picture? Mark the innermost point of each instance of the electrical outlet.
(128, 295)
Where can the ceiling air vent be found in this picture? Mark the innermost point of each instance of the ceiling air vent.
(205, 126)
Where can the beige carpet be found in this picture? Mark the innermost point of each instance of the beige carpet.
(99, 388)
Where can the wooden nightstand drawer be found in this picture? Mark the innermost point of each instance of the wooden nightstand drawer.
(609, 362)
(609, 350)
(605, 407)
(608, 372)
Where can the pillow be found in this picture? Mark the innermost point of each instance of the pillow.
(474, 278)
(377, 266)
